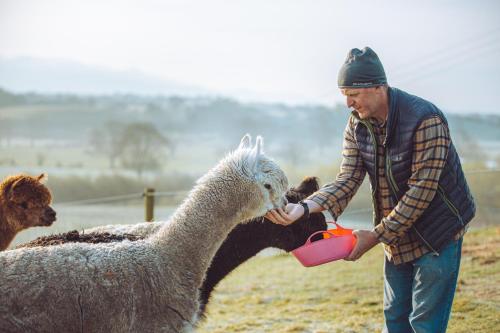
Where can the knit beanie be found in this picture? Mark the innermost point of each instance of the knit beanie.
(361, 69)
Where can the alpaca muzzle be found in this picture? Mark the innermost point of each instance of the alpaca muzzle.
(284, 202)
(49, 217)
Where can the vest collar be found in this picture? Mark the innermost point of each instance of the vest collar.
(393, 116)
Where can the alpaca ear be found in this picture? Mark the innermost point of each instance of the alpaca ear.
(42, 178)
(14, 187)
(256, 153)
(259, 143)
(246, 142)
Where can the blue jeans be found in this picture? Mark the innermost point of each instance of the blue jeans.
(418, 295)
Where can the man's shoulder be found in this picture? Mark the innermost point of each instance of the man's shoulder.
(417, 106)
(409, 100)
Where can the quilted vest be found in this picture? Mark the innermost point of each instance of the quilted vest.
(453, 206)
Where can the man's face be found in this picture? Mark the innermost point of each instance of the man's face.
(366, 101)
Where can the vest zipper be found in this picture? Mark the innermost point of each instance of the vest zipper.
(395, 189)
(426, 243)
(450, 204)
(390, 177)
(375, 180)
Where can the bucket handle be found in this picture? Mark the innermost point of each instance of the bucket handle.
(337, 226)
(317, 233)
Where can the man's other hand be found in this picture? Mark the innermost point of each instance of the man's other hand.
(365, 240)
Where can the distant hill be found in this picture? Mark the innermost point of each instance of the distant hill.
(61, 76)
(218, 120)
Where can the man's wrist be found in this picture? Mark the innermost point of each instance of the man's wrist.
(304, 205)
(383, 234)
(313, 206)
(375, 236)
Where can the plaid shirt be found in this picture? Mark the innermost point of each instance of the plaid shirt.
(430, 148)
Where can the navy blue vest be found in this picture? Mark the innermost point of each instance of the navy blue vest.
(453, 206)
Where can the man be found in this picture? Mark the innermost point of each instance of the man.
(422, 203)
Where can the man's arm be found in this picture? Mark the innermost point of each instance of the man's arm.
(335, 196)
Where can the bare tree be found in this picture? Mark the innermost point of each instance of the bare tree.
(5, 131)
(107, 141)
(143, 147)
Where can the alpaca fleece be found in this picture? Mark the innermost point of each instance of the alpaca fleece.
(242, 243)
(150, 285)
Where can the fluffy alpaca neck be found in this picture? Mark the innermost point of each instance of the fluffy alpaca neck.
(244, 242)
(201, 224)
(7, 231)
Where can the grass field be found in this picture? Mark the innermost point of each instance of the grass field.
(277, 294)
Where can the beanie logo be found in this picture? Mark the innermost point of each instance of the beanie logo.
(362, 83)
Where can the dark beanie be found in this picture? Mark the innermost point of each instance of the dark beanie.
(361, 69)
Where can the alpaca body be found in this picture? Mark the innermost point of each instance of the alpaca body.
(242, 243)
(7, 231)
(145, 286)
(96, 294)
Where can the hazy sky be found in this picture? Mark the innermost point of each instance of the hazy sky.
(270, 50)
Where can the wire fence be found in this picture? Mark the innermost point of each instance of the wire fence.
(150, 194)
(124, 197)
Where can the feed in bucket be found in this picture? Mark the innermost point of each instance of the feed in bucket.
(334, 245)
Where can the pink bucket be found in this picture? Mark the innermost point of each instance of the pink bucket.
(336, 244)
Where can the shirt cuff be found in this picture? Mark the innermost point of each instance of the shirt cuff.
(323, 199)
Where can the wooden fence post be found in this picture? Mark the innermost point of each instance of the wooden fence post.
(149, 204)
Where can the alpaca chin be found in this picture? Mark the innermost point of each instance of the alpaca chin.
(272, 206)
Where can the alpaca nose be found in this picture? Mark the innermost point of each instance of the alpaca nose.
(51, 213)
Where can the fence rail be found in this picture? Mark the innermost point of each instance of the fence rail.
(148, 195)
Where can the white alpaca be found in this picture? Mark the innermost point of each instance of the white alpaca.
(143, 286)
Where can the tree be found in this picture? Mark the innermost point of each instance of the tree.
(143, 147)
(107, 141)
(5, 131)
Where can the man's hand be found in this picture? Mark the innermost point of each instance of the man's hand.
(365, 240)
(285, 217)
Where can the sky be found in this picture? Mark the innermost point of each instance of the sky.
(286, 51)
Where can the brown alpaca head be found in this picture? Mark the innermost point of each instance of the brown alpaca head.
(26, 202)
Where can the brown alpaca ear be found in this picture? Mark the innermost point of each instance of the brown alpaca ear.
(42, 178)
(13, 188)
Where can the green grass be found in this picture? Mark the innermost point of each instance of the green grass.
(277, 294)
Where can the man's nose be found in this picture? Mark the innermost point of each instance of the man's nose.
(349, 102)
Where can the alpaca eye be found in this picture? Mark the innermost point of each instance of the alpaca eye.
(268, 186)
(24, 205)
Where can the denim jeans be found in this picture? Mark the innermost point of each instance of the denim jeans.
(418, 295)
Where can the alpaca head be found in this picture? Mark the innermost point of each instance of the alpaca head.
(298, 232)
(271, 181)
(258, 183)
(26, 201)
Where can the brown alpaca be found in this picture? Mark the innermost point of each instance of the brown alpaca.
(24, 203)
